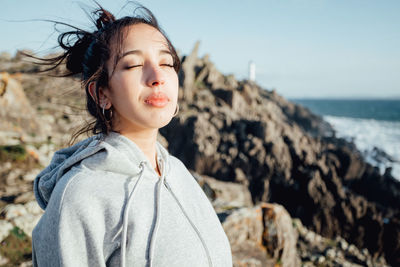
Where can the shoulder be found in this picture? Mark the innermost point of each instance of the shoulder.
(180, 172)
(72, 186)
(81, 188)
(84, 197)
(175, 162)
(177, 165)
(91, 184)
(66, 200)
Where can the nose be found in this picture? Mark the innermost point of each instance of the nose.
(154, 75)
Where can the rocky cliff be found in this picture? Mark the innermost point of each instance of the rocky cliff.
(247, 147)
(236, 131)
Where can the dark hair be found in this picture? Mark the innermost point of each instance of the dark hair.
(86, 53)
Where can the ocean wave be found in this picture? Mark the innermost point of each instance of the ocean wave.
(378, 140)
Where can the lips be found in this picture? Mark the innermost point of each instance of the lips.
(158, 100)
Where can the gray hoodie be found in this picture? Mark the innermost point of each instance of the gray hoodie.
(106, 206)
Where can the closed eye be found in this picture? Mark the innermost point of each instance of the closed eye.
(167, 65)
(133, 66)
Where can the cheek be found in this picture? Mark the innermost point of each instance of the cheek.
(123, 87)
(175, 87)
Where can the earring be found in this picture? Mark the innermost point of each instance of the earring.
(104, 105)
(104, 112)
(176, 110)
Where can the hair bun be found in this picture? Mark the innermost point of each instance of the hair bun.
(75, 52)
(104, 19)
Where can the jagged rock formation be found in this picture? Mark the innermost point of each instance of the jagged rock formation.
(331, 252)
(265, 235)
(236, 131)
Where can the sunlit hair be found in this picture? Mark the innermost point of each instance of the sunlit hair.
(86, 53)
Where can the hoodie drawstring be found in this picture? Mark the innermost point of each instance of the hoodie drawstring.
(125, 216)
(158, 215)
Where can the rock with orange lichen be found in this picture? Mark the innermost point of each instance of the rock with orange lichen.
(4, 76)
(262, 236)
(16, 113)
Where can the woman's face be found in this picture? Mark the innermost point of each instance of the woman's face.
(143, 89)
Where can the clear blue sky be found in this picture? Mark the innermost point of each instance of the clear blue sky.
(302, 48)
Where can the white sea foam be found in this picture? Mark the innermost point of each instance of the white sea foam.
(369, 133)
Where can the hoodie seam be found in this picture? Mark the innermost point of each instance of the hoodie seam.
(70, 180)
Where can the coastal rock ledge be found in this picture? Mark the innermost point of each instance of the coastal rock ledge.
(236, 131)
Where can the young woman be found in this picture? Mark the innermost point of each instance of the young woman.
(118, 198)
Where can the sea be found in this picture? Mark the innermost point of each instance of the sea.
(372, 124)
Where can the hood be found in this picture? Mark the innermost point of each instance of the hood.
(114, 152)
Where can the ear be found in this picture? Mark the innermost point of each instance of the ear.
(103, 98)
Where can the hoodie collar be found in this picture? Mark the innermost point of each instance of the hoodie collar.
(121, 156)
(133, 153)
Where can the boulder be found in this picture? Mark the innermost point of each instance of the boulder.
(279, 236)
(16, 112)
(263, 236)
(14, 210)
(224, 195)
(26, 222)
(5, 228)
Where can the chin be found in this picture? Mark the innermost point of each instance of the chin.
(158, 121)
(164, 123)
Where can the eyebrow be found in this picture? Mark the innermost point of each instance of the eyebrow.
(139, 52)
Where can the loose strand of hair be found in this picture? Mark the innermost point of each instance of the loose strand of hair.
(86, 129)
